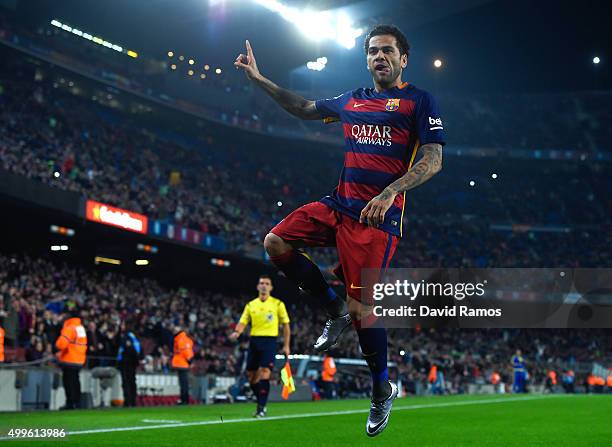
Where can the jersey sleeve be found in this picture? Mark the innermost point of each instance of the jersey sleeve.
(331, 108)
(283, 316)
(430, 128)
(245, 318)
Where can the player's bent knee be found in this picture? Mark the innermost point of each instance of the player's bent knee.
(275, 245)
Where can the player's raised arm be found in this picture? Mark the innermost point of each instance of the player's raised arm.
(292, 103)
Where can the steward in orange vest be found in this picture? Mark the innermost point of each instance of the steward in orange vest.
(72, 343)
(433, 374)
(329, 369)
(495, 378)
(551, 381)
(181, 359)
(72, 354)
(1, 345)
(327, 376)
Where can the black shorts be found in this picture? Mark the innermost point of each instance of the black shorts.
(262, 352)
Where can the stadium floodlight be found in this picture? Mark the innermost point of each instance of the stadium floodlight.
(61, 230)
(317, 65)
(191, 62)
(142, 262)
(170, 53)
(437, 63)
(95, 39)
(55, 248)
(206, 67)
(63, 247)
(596, 60)
(104, 260)
(472, 183)
(190, 72)
(317, 25)
(402, 353)
(56, 174)
(173, 66)
(494, 175)
(203, 76)
(218, 71)
(148, 248)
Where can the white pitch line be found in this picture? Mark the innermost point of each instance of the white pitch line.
(304, 415)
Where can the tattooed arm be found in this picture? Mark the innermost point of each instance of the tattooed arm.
(292, 103)
(430, 164)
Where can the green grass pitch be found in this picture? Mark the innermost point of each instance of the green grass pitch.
(522, 421)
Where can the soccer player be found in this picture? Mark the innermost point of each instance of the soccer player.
(520, 373)
(264, 313)
(384, 128)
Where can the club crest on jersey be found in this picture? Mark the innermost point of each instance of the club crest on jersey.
(392, 105)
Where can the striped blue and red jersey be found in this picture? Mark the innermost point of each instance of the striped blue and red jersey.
(382, 132)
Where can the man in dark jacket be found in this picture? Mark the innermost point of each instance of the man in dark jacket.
(128, 359)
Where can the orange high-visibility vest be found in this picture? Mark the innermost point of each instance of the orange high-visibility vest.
(553, 377)
(610, 380)
(329, 369)
(433, 374)
(72, 343)
(182, 352)
(1, 345)
(591, 379)
(495, 378)
(599, 381)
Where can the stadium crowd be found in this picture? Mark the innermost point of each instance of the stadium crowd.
(230, 184)
(36, 293)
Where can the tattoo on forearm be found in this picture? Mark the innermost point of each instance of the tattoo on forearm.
(427, 167)
(291, 102)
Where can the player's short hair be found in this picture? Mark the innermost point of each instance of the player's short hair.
(265, 276)
(392, 30)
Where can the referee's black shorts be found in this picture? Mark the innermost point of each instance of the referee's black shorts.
(262, 352)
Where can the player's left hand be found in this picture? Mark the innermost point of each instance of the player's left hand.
(374, 212)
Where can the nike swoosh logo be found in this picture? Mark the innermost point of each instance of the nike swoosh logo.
(357, 287)
(358, 105)
(374, 428)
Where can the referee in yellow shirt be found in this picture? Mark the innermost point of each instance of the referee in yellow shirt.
(264, 313)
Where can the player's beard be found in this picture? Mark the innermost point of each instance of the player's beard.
(385, 80)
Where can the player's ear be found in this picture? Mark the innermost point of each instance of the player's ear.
(404, 61)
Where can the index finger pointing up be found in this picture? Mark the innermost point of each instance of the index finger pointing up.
(249, 49)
